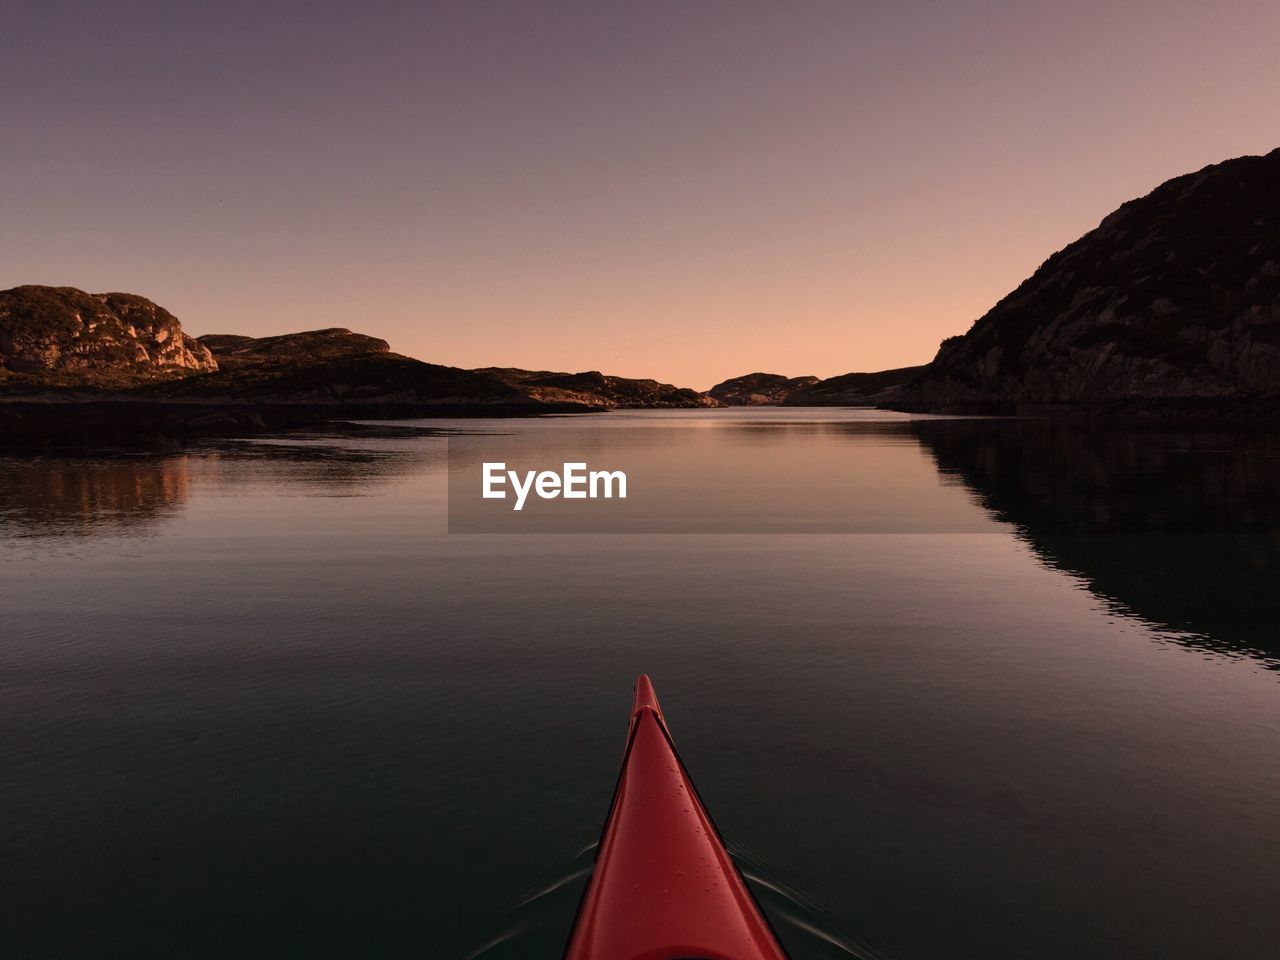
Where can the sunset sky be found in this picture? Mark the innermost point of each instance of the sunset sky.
(687, 191)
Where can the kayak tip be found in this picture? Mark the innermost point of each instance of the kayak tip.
(646, 698)
(658, 837)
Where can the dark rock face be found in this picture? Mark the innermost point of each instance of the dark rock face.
(1176, 295)
(759, 389)
(594, 389)
(319, 369)
(233, 351)
(846, 390)
(853, 389)
(367, 380)
(61, 335)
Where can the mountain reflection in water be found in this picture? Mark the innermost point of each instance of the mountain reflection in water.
(251, 690)
(1178, 528)
(89, 497)
(131, 495)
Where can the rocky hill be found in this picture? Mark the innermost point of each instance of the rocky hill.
(125, 347)
(308, 376)
(846, 390)
(64, 336)
(1173, 297)
(595, 389)
(368, 380)
(759, 389)
(233, 351)
(854, 389)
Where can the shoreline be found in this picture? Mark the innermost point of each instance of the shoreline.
(69, 424)
(54, 425)
(1171, 410)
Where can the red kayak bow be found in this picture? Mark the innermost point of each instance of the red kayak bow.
(664, 887)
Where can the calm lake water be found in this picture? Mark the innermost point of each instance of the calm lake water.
(951, 688)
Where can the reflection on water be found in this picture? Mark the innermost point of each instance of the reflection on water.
(113, 496)
(322, 465)
(297, 717)
(739, 476)
(75, 497)
(1178, 528)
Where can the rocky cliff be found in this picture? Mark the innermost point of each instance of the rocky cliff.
(1174, 296)
(61, 335)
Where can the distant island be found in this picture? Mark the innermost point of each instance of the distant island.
(846, 390)
(1171, 305)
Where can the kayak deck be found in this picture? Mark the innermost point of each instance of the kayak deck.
(664, 886)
